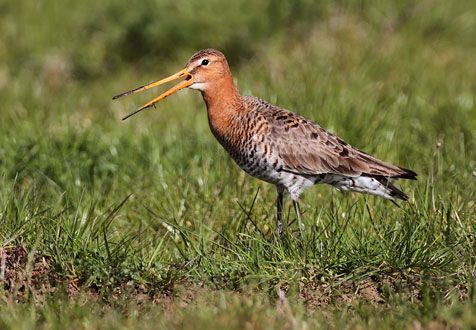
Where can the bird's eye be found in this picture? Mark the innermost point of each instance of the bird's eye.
(205, 62)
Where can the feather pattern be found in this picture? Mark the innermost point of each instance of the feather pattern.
(291, 151)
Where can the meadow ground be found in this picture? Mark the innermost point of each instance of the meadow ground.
(147, 222)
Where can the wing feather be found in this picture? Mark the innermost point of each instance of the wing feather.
(306, 148)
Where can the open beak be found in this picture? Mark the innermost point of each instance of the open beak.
(181, 74)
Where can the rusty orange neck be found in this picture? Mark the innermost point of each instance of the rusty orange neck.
(223, 101)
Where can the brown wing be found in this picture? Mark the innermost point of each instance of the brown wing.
(308, 149)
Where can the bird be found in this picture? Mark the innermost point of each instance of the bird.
(274, 144)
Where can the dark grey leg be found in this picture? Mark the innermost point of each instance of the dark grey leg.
(297, 209)
(279, 209)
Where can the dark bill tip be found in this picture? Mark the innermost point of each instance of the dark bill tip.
(115, 97)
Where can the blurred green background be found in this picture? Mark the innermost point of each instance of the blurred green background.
(395, 78)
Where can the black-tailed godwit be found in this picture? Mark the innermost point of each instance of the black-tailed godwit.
(274, 144)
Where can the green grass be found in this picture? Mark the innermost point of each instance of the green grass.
(135, 213)
(218, 310)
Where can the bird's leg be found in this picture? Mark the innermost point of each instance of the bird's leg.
(279, 209)
(297, 209)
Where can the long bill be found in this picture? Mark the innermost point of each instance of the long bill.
(183, 73)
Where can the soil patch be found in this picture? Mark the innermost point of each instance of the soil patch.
(28, 276)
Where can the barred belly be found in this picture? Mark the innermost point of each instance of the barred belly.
(269, 170)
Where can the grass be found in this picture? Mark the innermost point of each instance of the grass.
(108, 224)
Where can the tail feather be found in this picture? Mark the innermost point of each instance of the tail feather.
(392, 190)
(374, 185)
(407, 174)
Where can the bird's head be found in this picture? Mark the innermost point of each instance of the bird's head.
(205, 68)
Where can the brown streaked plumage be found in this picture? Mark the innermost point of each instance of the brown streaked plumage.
(276, 145)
